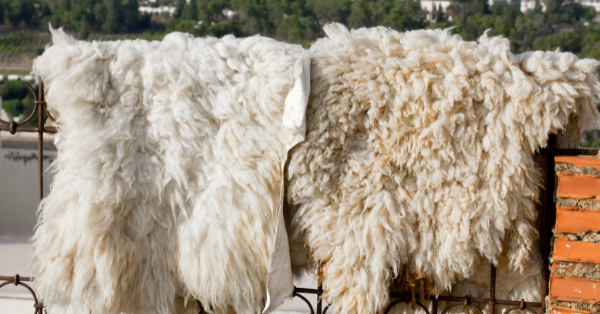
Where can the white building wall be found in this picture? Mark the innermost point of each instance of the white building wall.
(159, 10)
(592, 3)
(527, 5)
(429, 5)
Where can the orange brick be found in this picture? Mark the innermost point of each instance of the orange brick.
(576, 251)
(579, 161)
(578, 186)
(563, 288)
(577, 220)
(564, 310)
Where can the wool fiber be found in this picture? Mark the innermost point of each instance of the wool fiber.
(418, 157)
(169, 172)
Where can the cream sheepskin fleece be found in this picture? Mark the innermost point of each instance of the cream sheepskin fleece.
(418, 156)
(169, 172)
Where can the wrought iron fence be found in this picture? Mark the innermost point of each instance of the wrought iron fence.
(548, 217)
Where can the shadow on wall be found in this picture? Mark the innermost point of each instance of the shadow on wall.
(19, 185)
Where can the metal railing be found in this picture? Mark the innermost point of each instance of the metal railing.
(548, 216)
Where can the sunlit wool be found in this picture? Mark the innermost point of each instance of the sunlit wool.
(418, 155)
(169, 172)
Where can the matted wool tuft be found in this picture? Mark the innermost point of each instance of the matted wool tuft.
(169, 172)
(418, 156)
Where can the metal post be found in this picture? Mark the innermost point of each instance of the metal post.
(319, 300)
(40, 105)
(548, 219)
(492, 288)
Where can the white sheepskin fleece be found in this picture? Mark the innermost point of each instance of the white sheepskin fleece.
(169, 172)
(418, 156)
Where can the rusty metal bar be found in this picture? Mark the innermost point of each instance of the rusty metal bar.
(492, 288)
(319, 300)
(407, 297)
(19, 281)
(31, 129)
(12, 278)
(466, 301)
(40, 103)
(306, 290)
(568, 151)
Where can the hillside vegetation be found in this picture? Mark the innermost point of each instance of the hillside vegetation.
(569, 26)
(564, 25)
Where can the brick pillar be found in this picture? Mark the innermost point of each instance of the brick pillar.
(575, 256)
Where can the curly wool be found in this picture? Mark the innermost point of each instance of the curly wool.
(418, 155)
(169, 172)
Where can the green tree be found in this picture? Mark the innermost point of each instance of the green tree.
(132, 15)
(13, 90)
(553, 6)
(516, 4)
(466, 8)
(320, 12)
(590, 46)
(186, 26)
(590, 13)
(475, 26)
(360, 14)
(85, 29)
(225, 28)
(179, 7)
(291, 29)
(538, 7)
(254, 16)
(13, 107)
(401, 15)
(565, 41)
(510, 13)
(497, 8)
(25, 11)
(112, 18)
(190, 12)
(211, 11)
(440, 14)
(15, 97)
(3, 10)
(330, 10)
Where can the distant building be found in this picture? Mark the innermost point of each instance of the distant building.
(527, 5)
(591, 3)
(430, 8)
(16, 77)
(229, 13)
(158, 10)
(562, 27)
(161, 19)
